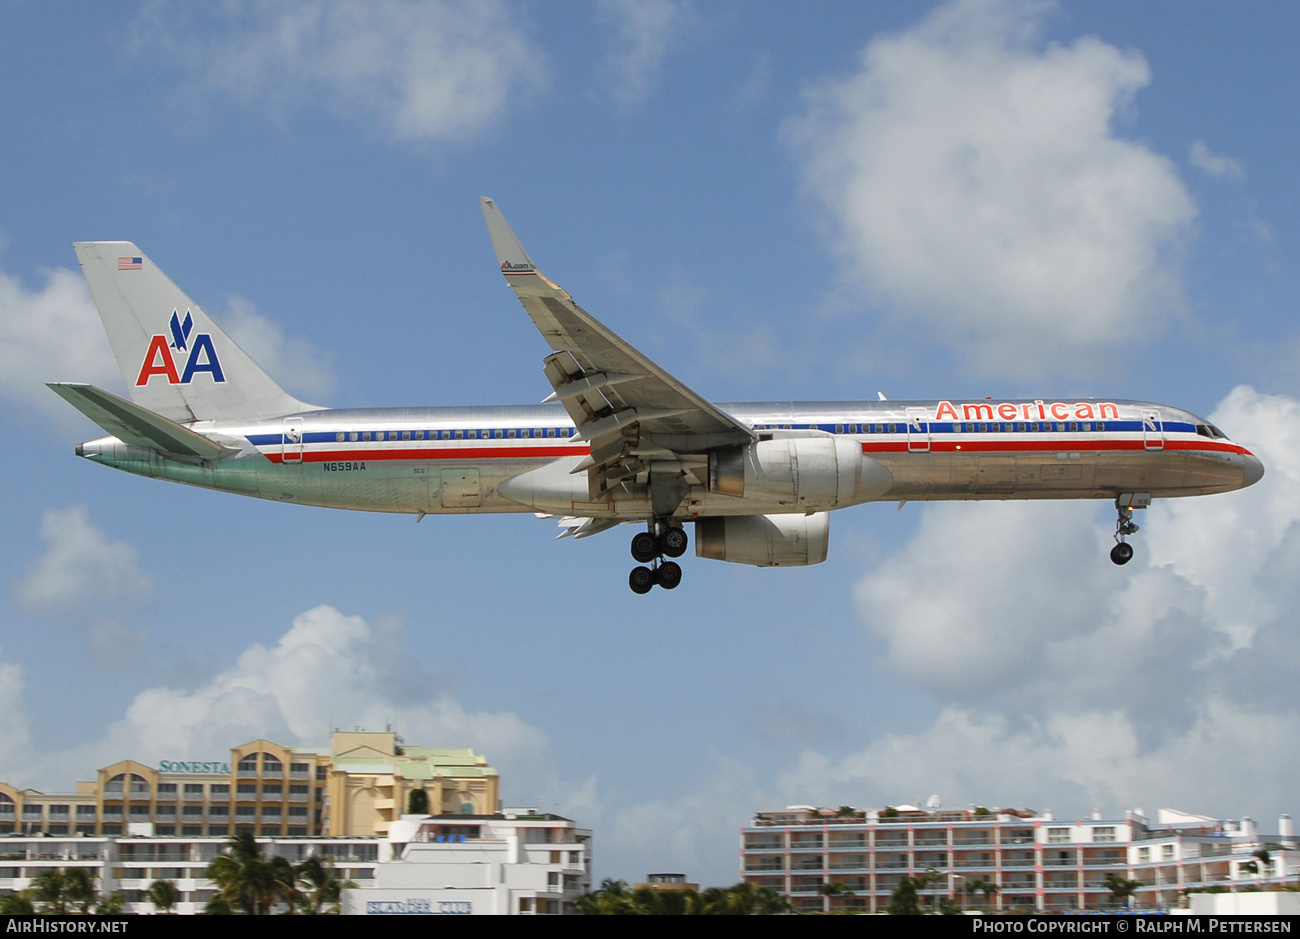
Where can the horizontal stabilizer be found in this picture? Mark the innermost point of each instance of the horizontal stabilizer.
(135, 425)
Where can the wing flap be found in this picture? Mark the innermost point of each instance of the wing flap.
(135, 425)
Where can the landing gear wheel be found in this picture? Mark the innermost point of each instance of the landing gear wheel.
(1122, 553)
(673, 542)
(670, 575)
(642, 579)
(645, 548)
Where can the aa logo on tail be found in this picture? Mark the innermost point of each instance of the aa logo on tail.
(200, 356)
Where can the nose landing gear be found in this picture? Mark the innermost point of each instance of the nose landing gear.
(661, 540)
(1125, 503)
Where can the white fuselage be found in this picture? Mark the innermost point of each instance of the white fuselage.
(518, 459)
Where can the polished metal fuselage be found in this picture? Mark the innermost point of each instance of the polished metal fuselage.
(456, 460)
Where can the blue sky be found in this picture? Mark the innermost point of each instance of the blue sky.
(1003, 198)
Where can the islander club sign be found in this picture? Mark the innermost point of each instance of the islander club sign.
(171, 766)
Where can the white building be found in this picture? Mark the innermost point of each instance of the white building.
(518, 862)
(1030, 860)
(130, 863)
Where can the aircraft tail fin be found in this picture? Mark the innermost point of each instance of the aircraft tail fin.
(133, 424)
(176, 362)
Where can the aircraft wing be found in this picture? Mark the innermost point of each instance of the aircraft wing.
(627, 407)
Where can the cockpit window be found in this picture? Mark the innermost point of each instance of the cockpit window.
(1209, 430)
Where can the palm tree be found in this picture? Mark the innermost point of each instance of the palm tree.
(324, 888)
(50, 888)
(1121, 888)
(988, 888)
(79, 888)
(163, 895)
(111, 905)
(17, 904)
(904, 901)
(248, 882)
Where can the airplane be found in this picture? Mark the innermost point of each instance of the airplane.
(617, 441)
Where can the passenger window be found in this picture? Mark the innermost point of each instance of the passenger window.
(338, 436)
(460, 434)
(352, 436)
(366, 435)
(498, 432)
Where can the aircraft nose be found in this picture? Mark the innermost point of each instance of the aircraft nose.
(1253, 470)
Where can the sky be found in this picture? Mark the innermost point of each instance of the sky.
(981, 197)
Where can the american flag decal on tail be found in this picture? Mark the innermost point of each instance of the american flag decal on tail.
(129, 264)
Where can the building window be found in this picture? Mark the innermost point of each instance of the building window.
(1058, 836)
(191, 789)
(1144, 855)
(219, 791)
(1167, 852)
(1102, 834)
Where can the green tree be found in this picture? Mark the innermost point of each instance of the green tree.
(1121, 888)
(248, 882)
(324, 886)
(111, 905)
(16, 904)
(417, 803)
(79, 889)
(50, 889)
(163, 895)
(904, 901)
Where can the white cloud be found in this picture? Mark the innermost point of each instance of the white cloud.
(1066, 679)
(81, 567)
(644, 31)
(1215, 164)
(976, 182)
(51, 334)
(427, 71)
(297, 365)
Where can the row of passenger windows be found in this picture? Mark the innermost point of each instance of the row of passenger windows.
(511, 432)
(897, 428)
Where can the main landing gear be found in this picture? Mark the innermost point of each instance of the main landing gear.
(661, 540)
(1122, 553)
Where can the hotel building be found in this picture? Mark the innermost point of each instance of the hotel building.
(357, 787)
(1030, 861)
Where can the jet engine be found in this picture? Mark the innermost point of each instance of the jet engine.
(764, 540)
(807, 472)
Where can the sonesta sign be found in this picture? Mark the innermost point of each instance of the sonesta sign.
(172, 766)
(1026, 411)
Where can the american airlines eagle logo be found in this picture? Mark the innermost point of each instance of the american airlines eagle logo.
(197, 351)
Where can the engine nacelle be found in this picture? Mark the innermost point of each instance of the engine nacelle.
(807, 472)
(764, 540)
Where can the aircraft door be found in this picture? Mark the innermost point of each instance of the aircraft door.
(1153, 431)
(918, 430)
(291, 440)
(460, 489)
